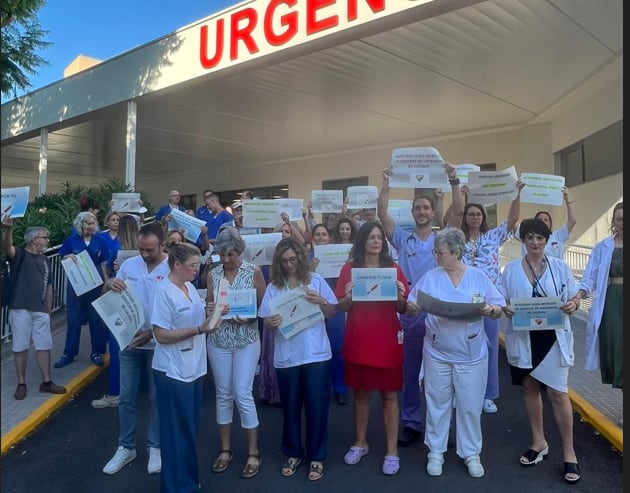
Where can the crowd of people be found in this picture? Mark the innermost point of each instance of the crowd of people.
(429, 366)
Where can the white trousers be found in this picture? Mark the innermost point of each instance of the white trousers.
(468, 383)
(234, 371)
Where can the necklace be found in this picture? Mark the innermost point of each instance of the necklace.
(534, 269)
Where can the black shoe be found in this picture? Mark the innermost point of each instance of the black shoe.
(341, 399)
(409, 436)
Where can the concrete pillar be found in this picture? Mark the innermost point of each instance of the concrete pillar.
(43, 161)
(130, 164)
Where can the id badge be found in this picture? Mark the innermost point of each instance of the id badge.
(401, 336)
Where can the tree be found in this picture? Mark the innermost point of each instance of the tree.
(22, 37)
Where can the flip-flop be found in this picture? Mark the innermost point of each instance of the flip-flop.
(290, 466)
(315, 471)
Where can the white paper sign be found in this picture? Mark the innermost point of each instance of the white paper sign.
(189, 225)
(326, 201)
(126, 202)
(417, 167)
(220, 302)
(377, 284)
(242, 303)
(122, 312)
(542, 189)
(83, 275)
(400, 211)
(297, 313)
(362, 197)
(14, 201)
(492, 187)
(540, 313)
(259, 249)
(261, 213)
(293, 207)
(462, 175)
(331, 258)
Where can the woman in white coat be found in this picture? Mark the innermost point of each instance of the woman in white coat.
(603, 278)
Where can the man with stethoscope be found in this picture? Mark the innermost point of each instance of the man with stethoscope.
(415, 257)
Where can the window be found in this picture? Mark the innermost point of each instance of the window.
(597, 156)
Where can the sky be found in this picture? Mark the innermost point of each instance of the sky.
(102, 30)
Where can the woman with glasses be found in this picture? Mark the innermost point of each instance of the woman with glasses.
(540, 359)
(372, 346)
(79, 307)
(455, 351)
(482, 251)
(233, 351)
(302, 361)
(179, 364)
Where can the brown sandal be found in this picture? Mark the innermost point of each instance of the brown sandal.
(250, 470)
(222, 461)
(315, 471)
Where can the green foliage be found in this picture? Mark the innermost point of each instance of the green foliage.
(22, 38)
(57, 211)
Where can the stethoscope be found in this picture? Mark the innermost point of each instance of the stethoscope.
(411, 251)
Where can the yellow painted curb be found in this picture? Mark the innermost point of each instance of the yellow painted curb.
(596, 419)
(43, 412)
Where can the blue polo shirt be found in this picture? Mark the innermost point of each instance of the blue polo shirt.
(165, 210)
(97, 249)
(213, 222)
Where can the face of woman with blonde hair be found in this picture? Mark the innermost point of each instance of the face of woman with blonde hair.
(286, 231)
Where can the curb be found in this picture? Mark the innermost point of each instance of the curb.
(55, 402)
(596, 419)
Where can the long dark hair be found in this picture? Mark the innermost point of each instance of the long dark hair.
(357, 252)
(336, 237)
(278, 272)
(484, 223)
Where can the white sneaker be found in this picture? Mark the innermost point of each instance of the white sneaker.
(122, 457)
(155, 461)
(475, 469)
(489, 407)
(106, 401)
(434, 466)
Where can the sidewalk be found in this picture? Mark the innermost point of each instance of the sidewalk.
(598, 404)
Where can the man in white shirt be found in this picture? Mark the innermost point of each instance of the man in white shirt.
(143, 272)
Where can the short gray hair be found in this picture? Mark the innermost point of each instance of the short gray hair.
(229, 239)
(81, 219)
(32, 232)
(453, 239)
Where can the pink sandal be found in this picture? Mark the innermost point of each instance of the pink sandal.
(391, 465)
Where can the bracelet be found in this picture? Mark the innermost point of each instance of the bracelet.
(453, 182)
(198, 330)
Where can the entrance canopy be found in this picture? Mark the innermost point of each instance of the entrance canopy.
(388, 72)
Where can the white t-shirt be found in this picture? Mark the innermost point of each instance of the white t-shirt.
(135, 273)
(185, 360)
(308, 346)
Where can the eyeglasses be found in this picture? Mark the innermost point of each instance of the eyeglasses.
(474, 214)
(288, 260)
(440, 253)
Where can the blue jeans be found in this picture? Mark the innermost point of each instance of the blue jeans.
(113, 370)
(78, 309)
(135, 369)
(179, 404)
(413, 409)
(305, 387)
